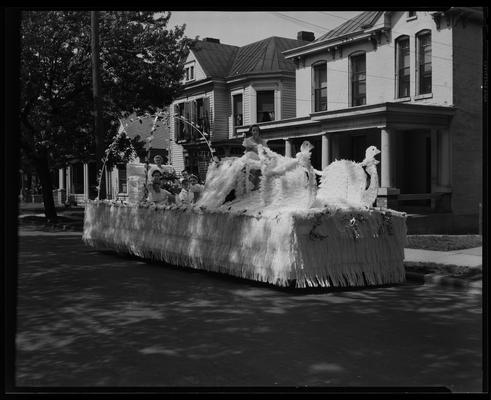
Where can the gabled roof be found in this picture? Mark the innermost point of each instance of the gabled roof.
(264, 56)
(359, 23)
(215, 58)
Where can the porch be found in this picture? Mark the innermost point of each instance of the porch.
(415, 141)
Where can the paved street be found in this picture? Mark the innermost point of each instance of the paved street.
(88, 318)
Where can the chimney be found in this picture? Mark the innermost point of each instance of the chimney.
(306, 36)
(211, 40)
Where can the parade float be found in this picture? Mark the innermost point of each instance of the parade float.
(263, 217)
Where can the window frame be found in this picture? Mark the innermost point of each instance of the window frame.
(317, 106)
(411, 15)
(398, 68)
(420, 54)
(122, 168)
(234, 113)
(352, 81)
(257, 104)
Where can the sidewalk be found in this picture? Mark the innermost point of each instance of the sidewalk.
(458, 268)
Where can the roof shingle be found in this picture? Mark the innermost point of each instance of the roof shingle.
(357, 24)
(264, 56)
(215, 58)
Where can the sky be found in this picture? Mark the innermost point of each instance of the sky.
(244, 27)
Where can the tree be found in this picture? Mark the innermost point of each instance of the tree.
(141, 67)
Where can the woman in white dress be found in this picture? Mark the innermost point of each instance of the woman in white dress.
(155, 193)
(251, 143)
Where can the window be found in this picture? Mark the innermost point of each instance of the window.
(423, 62)
(358, 80)
(320, 87)
(411, 14)
(195, 112)
(402, 67)
(122, 179)
(201, 116)
(187, 74)
(237, 109)
(191, 72)
(265, 106)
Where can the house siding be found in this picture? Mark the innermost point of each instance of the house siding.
(466, 127)
(288, 99)
(380, 67)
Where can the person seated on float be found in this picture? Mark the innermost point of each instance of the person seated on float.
(185, 196)
(195, 187)
(155, 193)
(252, 140)
(158, 160)
(184, 175)
(251, 143)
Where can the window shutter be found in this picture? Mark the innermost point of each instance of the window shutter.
(177, 123)
(207, 114)
(187, 116)
(193, 131)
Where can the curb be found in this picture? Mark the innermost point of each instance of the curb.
(443, 280)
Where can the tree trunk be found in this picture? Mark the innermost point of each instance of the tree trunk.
(42, 169)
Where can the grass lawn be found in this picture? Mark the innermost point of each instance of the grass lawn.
(443, 242)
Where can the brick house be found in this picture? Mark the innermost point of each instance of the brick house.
(228, 87)
(409, 83)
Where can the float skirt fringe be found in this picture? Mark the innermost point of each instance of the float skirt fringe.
(301, 249)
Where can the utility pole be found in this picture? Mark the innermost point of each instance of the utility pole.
(98, 129)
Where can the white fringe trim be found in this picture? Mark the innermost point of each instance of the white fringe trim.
(301, 249)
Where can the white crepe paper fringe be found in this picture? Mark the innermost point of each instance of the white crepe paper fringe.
(301, 248)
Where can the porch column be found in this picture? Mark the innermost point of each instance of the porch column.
(443, 178)
(61, 178)
(387, 193)
(60, 193)
(326, 145)
(108, 183)
(68, 180)
(444, 158)
(288, 148)
(386, 166)
(434, 159)
(86, 181)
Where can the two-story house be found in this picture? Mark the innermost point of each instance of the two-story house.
(409, 83)
(228, 87)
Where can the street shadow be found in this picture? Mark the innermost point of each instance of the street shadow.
(93, 318)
